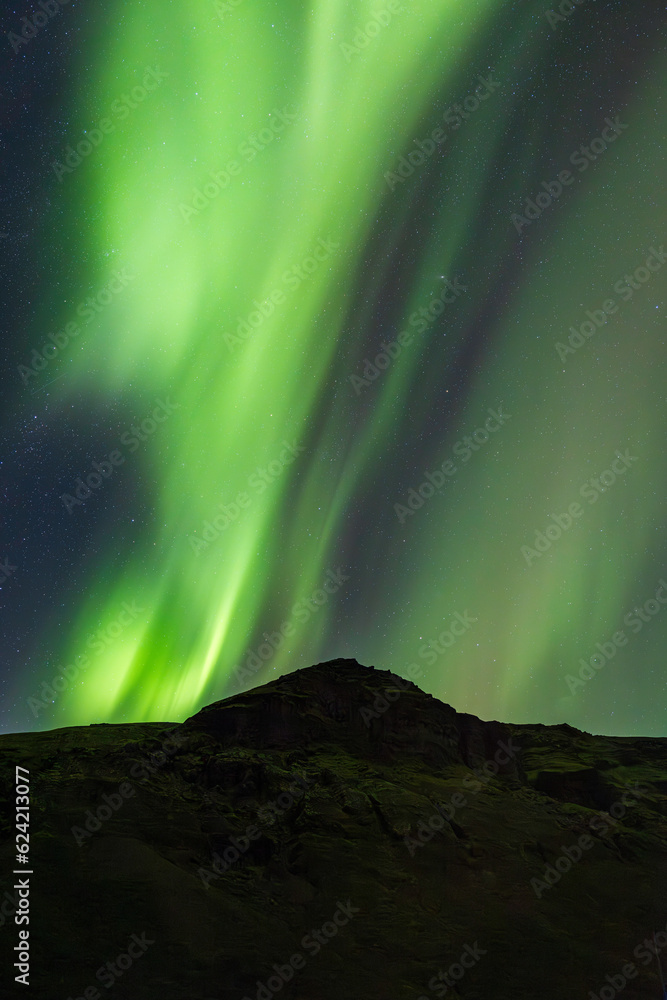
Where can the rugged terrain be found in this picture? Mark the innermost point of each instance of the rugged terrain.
(337, 833)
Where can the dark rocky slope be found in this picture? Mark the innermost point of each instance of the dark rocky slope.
(358, 834)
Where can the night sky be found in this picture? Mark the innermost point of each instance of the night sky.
(334, 329)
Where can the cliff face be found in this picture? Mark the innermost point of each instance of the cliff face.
(368, 713)
(338, 833)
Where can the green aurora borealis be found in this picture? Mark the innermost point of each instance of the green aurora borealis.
(357, 449)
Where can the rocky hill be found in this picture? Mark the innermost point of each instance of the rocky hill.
(336, 833)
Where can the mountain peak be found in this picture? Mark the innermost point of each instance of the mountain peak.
(368, 712)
